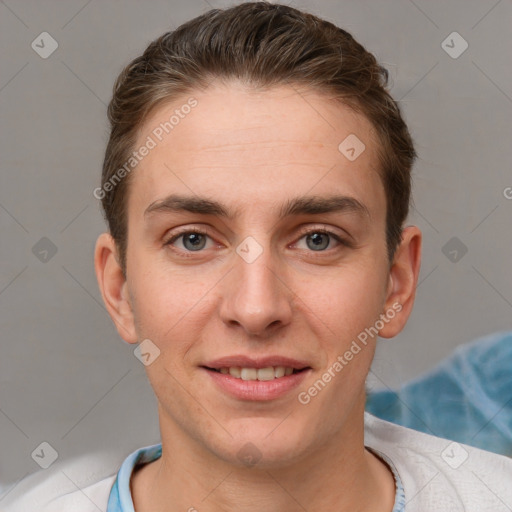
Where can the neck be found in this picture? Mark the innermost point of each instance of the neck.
(340, 476)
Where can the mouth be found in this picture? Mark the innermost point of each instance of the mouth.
(257, 380)
(250, 378)
(267, 373)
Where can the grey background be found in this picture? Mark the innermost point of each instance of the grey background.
(65, 376)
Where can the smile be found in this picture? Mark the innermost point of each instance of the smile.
(261, 374)
(257, 384)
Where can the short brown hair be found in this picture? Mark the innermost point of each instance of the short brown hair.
(261, 44)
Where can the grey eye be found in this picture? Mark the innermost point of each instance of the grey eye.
(317, 241)
(194, 241)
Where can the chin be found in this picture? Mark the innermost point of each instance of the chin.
(262, 444)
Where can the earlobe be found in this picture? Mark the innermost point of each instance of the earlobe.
(114, 287)
(403, 279)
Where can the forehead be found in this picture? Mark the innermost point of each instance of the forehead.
(238, 142)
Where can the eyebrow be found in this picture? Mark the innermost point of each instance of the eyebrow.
(295, 206)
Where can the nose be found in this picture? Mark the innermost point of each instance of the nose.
(256, 297)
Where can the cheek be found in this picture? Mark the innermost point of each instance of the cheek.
(168, 307)
(346, 302)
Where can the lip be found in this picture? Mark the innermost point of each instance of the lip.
(262, 362)
(256, 390)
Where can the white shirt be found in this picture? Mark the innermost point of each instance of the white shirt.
(437, 476)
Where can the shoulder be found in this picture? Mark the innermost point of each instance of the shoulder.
(438, 474)
(466, 397)
(80, 485)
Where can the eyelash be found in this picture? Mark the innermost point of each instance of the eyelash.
(304, 232)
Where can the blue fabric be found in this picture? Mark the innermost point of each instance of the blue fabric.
(399, 505)
(466, 398)
(120, 498)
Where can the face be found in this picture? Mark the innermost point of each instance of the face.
(254, 242)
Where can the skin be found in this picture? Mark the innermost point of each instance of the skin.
(253, 151)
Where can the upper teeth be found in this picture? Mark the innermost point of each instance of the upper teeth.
(268, 373)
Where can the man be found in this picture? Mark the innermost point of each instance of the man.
(256, 185)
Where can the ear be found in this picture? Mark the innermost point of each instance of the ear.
(403, 279)
(114, 287)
